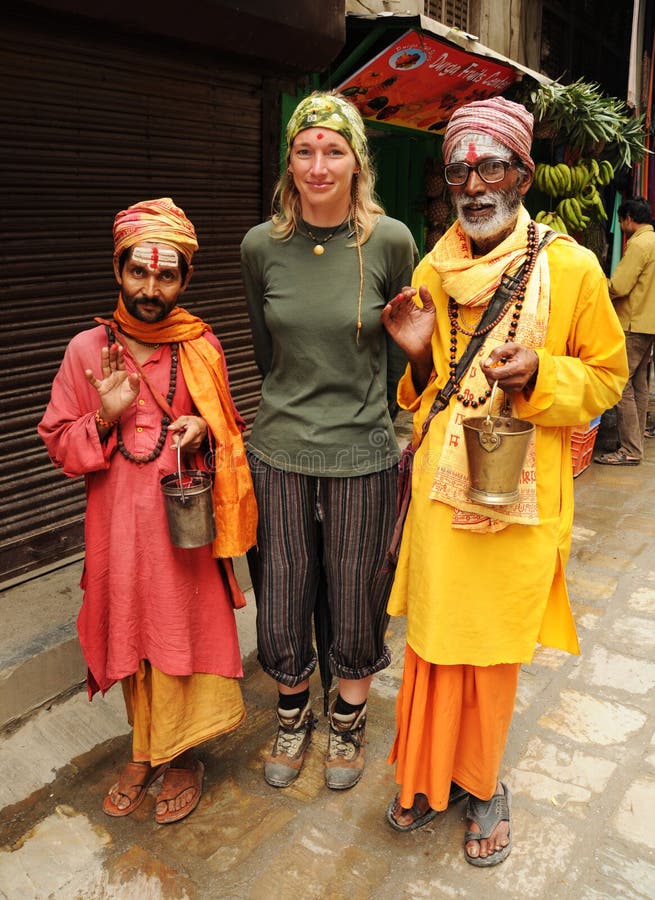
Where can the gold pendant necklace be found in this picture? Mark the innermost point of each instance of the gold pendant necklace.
(319, 243)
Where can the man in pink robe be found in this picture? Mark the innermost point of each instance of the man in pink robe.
(154, 616)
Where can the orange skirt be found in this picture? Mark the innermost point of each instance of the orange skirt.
(451, 725)
(173, 713)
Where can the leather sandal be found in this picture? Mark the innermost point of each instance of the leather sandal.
(131, 779)
(421, 818)
(176, 783)
(487, 814)
(618, 457)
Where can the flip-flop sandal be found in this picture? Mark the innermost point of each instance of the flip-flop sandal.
(616, 458)
(129, 780)
(175, 783)
(487, 814)
(419, 819)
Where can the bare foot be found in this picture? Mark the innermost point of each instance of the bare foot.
(406, 817)
(181, 789)
(130, 789)
(497, 840)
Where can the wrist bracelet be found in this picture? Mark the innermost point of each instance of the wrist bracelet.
(103, 422)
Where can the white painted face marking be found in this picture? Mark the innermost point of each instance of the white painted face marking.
(473, 145)
(155, 257)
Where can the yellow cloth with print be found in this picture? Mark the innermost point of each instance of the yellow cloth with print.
(173, 713)
(483, 599)
(471, 283)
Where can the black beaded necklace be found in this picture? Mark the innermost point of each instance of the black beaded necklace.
(165, 421)
(517, 296)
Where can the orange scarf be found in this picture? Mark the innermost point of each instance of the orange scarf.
(235, 508)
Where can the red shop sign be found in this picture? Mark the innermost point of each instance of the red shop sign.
(419, 81)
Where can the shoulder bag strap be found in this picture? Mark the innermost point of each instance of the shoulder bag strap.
(502, 295)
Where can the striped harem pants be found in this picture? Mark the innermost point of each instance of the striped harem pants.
(323, 537)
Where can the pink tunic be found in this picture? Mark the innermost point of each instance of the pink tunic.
(143, 597)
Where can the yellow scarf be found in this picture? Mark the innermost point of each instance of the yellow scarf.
(472, 283)
(235, 508)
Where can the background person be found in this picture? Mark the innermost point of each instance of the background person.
(322, 449)
(632, 289)
(155, 617)
(480, 585)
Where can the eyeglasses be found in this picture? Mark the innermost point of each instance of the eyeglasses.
(490, 171)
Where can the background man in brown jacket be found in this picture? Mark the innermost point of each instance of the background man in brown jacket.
(632, 288)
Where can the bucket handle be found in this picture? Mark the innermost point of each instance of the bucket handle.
(179, 469)
(492, 397)
(488, 438)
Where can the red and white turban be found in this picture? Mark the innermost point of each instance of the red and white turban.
(507, 122)
(155, 220)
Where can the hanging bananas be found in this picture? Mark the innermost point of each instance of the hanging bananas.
(575, 188)
(553, 220)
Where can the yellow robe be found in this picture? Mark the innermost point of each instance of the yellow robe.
(483, 599)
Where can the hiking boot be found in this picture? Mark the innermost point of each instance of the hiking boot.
(292, 740)
(344, 762)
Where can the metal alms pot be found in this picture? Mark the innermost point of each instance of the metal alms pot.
(189, 506)
(495, 448)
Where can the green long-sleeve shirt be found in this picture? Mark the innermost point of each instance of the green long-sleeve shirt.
(324, 407)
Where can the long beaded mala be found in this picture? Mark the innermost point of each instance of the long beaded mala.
(165, 421)
(516, 298)
(360, 259)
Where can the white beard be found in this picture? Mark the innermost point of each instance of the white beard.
(506, 206)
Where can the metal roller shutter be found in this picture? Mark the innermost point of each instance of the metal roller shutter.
(90, 125)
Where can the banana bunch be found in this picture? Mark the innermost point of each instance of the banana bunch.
(591, 201)
(553, 220)
(553, 180)
(573, 214)
(605, 171)
(576, 189)
(560, 180)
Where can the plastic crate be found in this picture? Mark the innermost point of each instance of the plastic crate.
(582, 448)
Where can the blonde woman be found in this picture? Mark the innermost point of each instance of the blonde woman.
(322, 448)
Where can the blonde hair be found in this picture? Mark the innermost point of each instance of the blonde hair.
(364, 204)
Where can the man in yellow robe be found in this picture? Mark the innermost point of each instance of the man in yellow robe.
(482, 584)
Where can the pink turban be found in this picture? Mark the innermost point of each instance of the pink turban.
(155, 220)
(506, 122)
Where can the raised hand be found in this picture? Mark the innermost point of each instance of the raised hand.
(117, 388)
(411, 326)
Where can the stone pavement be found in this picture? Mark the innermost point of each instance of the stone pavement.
(580, 762)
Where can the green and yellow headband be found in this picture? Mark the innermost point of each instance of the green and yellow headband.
(331, 111)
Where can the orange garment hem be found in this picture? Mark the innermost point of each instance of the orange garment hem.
(170, 714)
(451, 725)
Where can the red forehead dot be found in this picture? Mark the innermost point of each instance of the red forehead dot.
(319, 136)
(472, 154)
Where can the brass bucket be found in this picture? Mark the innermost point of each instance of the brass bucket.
(189, 506)
(495, 448)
